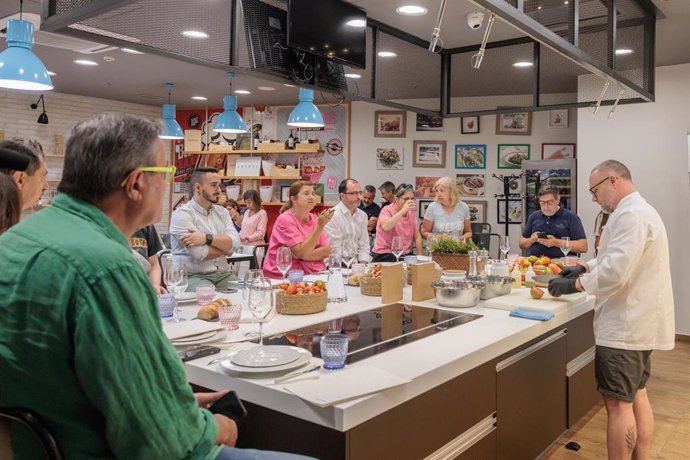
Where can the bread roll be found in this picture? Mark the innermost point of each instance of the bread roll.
(210, 311)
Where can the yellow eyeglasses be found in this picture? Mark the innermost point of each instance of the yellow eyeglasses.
(169, 172)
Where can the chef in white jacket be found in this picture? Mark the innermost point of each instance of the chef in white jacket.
(631, 279)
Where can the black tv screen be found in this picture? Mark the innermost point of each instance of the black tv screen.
(326, 28)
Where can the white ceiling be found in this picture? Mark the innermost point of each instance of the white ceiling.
(140, 78)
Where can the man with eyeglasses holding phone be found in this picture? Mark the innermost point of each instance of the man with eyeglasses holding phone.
(348, 227)
(634, 313)
(542, 236)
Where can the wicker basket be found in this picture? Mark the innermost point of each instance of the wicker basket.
(370, 286)
(451, 261)
(300, 304)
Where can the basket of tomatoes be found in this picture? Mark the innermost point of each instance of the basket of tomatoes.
(301, 298)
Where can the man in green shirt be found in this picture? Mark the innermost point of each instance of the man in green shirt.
(81, 342)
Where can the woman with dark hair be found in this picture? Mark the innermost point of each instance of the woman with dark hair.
(233, 208)
(300, 230)
(10, 204)
(397, 219)
(254, 221)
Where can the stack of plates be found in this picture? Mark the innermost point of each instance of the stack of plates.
(205, 337)
(266, 359)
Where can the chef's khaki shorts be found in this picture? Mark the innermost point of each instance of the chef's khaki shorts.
(620, 373)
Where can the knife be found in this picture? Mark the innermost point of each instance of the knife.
(296, 374)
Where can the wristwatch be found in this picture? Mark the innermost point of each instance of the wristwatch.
(209, 239)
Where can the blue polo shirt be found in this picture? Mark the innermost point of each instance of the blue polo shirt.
(563, 223)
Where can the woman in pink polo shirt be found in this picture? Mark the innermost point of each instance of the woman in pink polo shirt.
(300, 230)
(397, 219)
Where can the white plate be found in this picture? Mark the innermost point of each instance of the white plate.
(304, 358)
(266, 356)
(194, 338)
(218, 335)
(185, 297)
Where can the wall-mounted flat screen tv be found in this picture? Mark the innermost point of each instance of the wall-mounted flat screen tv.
(329, 28)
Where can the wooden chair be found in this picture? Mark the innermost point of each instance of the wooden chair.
(34, 424)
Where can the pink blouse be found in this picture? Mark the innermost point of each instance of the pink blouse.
(404, 228)
(253, 227)
(290, 231)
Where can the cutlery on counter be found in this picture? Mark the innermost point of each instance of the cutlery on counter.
(296, 374)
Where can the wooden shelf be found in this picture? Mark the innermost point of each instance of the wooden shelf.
(306, 148)
(54, 156)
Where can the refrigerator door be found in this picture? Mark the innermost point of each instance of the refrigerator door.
(559, 174)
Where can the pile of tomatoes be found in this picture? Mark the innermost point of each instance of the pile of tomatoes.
(303, 288)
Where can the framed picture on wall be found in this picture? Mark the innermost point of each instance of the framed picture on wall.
(511, 156)
(557, 151)
(514, 211)
(477, 210)
(284, 193)
(390, 123)
(469, 125)
(558, 118)
(470, 184)
(429, 154)
(429, 123)
(470, 156)
(424, 186)
(421, 207)
(515, 123)
(389, 158)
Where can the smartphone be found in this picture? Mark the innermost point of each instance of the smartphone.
(198, 352)
(542, 235)
(230, 406)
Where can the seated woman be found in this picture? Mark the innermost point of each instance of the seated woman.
(233, 208)
(301, 231)
(254, 220)
(397, 219)
(447, 215)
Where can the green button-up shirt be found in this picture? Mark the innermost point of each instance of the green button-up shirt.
(81, 343)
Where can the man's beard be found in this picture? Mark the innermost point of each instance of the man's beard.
(210, 198)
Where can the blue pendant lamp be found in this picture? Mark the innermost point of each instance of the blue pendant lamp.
(171, 128)
(306, 115)
(20, 68)
(229, 121)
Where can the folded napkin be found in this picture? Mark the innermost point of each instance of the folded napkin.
(176, 331)
(338, 386)
(522, 312)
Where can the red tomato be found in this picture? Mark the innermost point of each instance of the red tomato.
(291, 290)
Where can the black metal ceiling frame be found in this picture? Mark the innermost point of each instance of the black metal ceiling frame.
(535, 32)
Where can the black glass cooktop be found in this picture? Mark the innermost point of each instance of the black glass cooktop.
(374, 331)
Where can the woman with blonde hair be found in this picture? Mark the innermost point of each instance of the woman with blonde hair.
(300, 230)
(447, 214)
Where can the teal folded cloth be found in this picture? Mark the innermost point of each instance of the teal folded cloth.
(522, 312)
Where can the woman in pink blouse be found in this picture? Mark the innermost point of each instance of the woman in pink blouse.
(300, 230)
(254, 221)
(397, 219)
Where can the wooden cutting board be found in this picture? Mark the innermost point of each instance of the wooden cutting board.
(521, 298)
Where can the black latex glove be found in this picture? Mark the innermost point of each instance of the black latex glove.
(573, 271)
(561, 286)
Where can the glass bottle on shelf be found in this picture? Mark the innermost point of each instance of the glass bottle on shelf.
(290, 143)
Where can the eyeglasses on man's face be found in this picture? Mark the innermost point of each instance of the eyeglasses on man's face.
(593, 189)
(168, 171)
(547, 202)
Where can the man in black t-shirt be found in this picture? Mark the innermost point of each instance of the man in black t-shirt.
(145, 244)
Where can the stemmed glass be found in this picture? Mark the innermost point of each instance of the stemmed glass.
(505, 246)
(349, 255)
(249, 278)
(260, 302)
(284, 260)
(565, 248)
(175, 279)
(397, 247)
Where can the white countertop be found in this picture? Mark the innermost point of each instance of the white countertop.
(427, 362)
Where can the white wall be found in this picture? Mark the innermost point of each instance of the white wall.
(364, 145)
(18, 120)
(652, 140)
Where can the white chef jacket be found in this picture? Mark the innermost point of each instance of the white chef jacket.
(348, 226)
(631, 278)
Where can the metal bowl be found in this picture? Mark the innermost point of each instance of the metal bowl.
(457, 294)
(496, 286)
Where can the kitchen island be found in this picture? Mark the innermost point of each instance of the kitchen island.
(495, 387)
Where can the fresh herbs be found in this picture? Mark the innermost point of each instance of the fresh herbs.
(447, 245)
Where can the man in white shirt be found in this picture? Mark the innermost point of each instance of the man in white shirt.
(347, 230)
(631, 278)
(202, 234)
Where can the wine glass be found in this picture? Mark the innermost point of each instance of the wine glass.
(565, 248)
(260, 302)
(349, 255)
(397, 247)
(284, 260)
(249, 278)
(505, 246)
(176, 280)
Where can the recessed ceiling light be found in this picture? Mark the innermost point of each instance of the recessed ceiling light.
(566, 2)
(523, 64)
(195, 34)
(242, 91)
(387, 54)
(623, 51)
(357, 23)
(200, 98)
(51, 73)
(353, 75)
(289, 85)
(85, 62)
(266, 88)
(130, 51)
(411, 10)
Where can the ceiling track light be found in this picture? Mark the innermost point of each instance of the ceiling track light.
(230, 121)
(436, 34)
(601, 97)
(171, 128)
(43, 117)
(476, 60)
